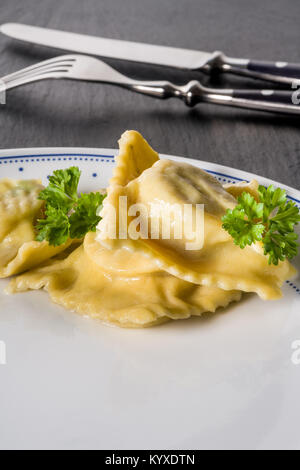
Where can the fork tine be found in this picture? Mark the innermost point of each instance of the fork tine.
(47, 64)
(37, 67)
(63, 66)
(35, 77)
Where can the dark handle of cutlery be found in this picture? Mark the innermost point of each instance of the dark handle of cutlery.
(277, 72)
(270, 96)
(277, 101)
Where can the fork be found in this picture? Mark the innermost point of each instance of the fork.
(81, 67)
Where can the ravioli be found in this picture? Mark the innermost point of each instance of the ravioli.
(19, 210)
(139, 299)
(144, 280)
(219, 263)
(236, 189)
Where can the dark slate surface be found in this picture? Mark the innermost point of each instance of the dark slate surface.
(80, 114)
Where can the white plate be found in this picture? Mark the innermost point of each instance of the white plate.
(223, 381)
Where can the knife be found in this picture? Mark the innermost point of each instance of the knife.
(278, 72)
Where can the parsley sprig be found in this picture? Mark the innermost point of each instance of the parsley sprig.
(271, 220)
(66, 214)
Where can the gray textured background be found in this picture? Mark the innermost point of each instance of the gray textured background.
(80, 114)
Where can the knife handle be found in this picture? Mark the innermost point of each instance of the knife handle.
(277, 72)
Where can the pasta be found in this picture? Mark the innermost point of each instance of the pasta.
(219, 263)
(19, 210)
(127, 273)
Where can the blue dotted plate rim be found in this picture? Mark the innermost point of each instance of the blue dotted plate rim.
(69, 156)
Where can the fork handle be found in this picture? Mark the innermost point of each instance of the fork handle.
(276, 101)
(193, 93)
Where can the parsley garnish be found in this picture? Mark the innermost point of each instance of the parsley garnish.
(66, 214)
(271, 220)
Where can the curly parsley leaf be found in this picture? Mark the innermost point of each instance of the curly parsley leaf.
(271, 220)
(243, 231)
(85, 218)
(61, 192)
(55, 228)
(56, 198)
(66, 214)
(66, 180)
(280, 246)
(252, 209)
(271, 199)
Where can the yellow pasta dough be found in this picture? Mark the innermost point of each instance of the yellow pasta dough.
(138, 300)
(19, 210)
(139, 281)
(219, 263)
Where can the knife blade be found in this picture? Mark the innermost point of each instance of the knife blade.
(112, 48)
(278, 72)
